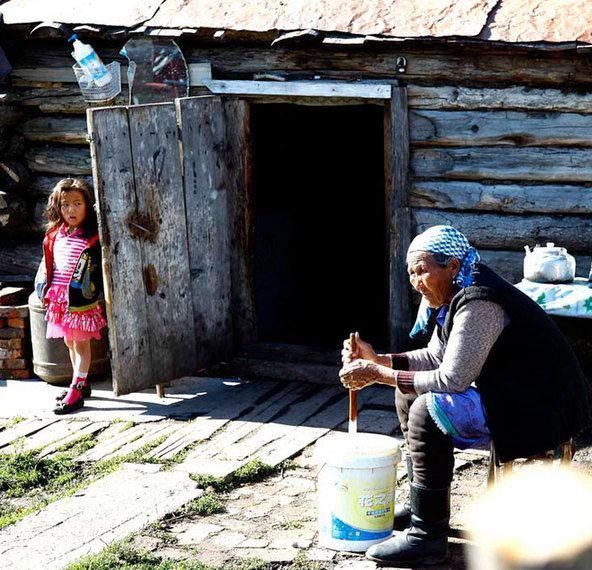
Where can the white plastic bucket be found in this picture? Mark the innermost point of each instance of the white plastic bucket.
(356, 490)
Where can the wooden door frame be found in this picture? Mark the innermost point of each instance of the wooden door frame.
(393, 98)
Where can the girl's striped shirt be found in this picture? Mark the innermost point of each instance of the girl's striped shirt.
(66, 252)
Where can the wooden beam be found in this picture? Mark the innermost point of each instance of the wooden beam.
(507, 128)
(459, 98)
(396, 144)
(506, 198)
(546, 165)
(239, 187)
(494, 231)
(327, 89)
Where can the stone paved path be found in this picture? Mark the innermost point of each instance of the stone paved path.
(108, 510)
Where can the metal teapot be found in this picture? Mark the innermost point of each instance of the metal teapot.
(549, 264)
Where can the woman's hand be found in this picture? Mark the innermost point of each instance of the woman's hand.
(359, 374)
(361, 350)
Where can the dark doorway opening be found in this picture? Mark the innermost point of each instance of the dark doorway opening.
(320, 248)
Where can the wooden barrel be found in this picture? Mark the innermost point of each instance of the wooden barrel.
(51, 361)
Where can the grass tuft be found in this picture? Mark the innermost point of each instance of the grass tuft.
(125, 555)
(206, 505)
(12, 422)
(23, 472)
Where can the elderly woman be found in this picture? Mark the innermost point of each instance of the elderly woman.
(496, 368)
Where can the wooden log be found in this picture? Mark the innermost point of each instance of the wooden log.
(68, 160)
(494, 231)
(441, 64)
(428, 65)
(203, 133)
(59, 98)
(13, 211)
(9, 115)
(14, 175)
(43, 185)
(509, 264)
(19, 257)
(477, 163)
(507, 128)
(65, 130)
(396, 147)
(488, 99)
(507, 198)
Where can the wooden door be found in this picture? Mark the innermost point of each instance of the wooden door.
(172, 225)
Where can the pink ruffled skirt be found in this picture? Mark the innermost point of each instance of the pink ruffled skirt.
(78, 325)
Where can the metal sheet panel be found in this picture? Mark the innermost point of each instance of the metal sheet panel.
(541, 20)
(403, 18)
(105, 13)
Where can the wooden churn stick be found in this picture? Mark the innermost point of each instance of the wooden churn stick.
(353, 396)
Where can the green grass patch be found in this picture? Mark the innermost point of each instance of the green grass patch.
(23, 472)
(206, 505)
(252, 472)
(129, 557)
(301, 562)
(12, 422)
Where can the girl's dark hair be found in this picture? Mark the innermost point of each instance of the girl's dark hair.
(53, 211)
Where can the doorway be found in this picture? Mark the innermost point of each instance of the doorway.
(320, 267)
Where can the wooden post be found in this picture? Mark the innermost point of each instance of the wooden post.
(160, 390)
(396, 162)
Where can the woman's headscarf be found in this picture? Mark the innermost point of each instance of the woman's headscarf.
(445, 240)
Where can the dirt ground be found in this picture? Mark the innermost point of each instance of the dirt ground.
(275, 520)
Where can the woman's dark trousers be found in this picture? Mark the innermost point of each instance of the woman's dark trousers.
(431, 451)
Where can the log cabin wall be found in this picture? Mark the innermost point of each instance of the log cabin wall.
(501, 143)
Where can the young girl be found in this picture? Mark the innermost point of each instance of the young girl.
(69, 281)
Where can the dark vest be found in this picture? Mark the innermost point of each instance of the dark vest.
(533, 390)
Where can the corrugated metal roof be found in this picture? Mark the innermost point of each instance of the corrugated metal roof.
(515, 21)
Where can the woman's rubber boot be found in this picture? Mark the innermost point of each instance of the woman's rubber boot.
(425, 542)
(403, 511)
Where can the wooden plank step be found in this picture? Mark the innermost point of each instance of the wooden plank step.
(108, 446)
(154, 432)
(106, 511)
(182, 437)
(369, 421)
(90, 429)
(262, 414)
(226, 407)
(24, 429)
(219, 460)
(299, 437)
(295, 416)
(50, 434)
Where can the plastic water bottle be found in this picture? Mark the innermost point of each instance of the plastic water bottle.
(90, 62)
